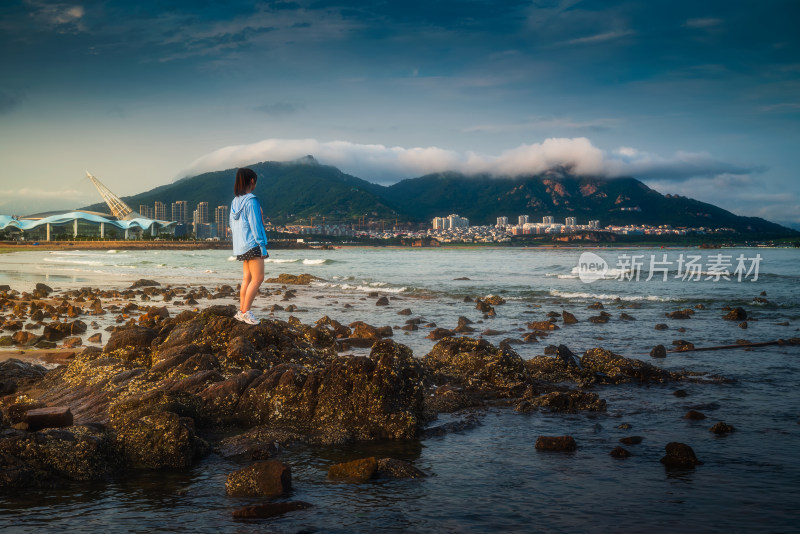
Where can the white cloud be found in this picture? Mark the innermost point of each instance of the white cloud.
(379, 163)
(64, 18)
(600, 37)
(702, 23)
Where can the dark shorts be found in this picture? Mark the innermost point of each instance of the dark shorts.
(251, 254)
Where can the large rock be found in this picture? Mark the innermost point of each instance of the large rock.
(49, 417)
(394, 468)
(262, 479)
(478, 366)
(680, 456)
(357, 470)
(736, 314)
(131, 343)
(613, 368)
(15, 374)
(43, 459)
(162, 440)
(564, 402)
(294, 279)
(351, 398)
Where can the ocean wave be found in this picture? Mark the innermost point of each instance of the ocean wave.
(606, 296)
(112, 251)
(75, 262)
(361, 287)
(315, 262)
(270, 260)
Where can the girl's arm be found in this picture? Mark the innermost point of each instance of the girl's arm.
(255, 219)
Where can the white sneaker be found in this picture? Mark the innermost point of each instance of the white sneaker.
(239, 316)
(249, 318)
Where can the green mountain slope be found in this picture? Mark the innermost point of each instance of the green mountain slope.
(294, 191)
(612, 201)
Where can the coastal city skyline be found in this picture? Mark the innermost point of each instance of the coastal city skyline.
(694, 99)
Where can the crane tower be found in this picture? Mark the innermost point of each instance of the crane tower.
(118, 208)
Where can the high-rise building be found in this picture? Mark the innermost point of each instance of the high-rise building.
(572, 221)
(146, 211)
(221, 218)
(457, 221)
(180, 211)
(440, 223)
(522, 219)
(202, 212)
(548, 219)
(594, 224)
(502, 222)
(160, 211)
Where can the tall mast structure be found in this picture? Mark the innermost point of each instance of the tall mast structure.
(119, 209)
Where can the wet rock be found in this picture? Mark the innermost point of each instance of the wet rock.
(478, 366)
(568, 317)
(52, 333)
(270, 509)
(620, 452)
(483, 306)
(661, 326)
(556, 443)
(404, 311)
(631, 440)
(530, 338)
(542, 325)
(440, 333)
(625, 426)
(15, 374)
(6, 341)
(736, 314)
(681, 314)
(625, 317)
(50, 417)
(357, 470)
(722, 428)
(72, 342)
(44, 459)
(448, 399)
(41, 291)
(694, 415)
(144, 282)
(743, 325)
(613, 368)
(95, 338)
(383, 301)
(659, 351)
(467, 422)
(269, 478)
(599, 319)
(595, 306)
(563, 402)
(350, 398)
(568, 357)
(394, 468)
(131, 343)
(24, 339)
(162, 440)
(680, 456)
(494, 300)
(680, 393)
(298, 279)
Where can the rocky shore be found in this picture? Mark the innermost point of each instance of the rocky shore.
(169, 388)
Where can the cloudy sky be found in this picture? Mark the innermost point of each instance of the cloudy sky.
(700, 98)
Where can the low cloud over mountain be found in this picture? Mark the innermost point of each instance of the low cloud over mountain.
(383, 164)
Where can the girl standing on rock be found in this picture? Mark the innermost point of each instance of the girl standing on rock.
(249, 240)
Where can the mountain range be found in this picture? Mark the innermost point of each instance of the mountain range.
(299, 190)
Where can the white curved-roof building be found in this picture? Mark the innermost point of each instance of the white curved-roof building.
(83, 223)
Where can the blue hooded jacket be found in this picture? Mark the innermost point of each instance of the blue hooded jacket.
(247, 227)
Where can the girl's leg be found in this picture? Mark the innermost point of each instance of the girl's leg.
(246, 278)
(256, 268)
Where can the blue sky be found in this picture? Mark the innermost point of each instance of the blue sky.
(700, 98)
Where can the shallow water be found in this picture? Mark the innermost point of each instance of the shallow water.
(490, 478)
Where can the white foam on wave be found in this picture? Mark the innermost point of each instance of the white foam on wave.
(270, 260)
(112, 251)
(314, 262)
(605, 296)
(75, 262)
(367, 287)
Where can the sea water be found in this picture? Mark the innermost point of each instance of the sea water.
(490, 478)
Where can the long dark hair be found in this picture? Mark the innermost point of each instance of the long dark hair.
(244, 177)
